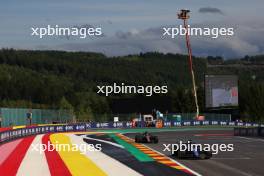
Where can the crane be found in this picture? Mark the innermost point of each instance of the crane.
(184, 15)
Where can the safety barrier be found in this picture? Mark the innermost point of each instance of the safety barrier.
(254, 131)
(11, 134)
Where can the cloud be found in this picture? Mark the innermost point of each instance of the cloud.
(124, 43)
(109, 21)
(123, 35)
(211, 10)
(86, 26)
(126, 35)
(248, 40)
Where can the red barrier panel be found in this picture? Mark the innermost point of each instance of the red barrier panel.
(5, 129)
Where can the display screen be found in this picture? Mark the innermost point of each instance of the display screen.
(221, 91)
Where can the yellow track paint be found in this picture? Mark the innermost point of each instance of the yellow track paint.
(77, 163)
(149, 152)
(178, 167)
(159, 157)
(17, 127)
(166, 162)
(143, 149)
(51, 124)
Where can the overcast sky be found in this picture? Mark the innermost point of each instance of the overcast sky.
(131, 27)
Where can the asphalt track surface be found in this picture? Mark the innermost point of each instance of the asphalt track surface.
(247, 158)
(144, 165)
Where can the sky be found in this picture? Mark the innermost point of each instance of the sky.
(132, 27)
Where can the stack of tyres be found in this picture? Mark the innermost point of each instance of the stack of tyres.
(256, 132)
(243, 131)
(249, 131)
(236, 131)
(261, 131)
(253, 132)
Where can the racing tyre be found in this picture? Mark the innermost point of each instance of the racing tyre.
(203, 156)
(155, 140)
(180, 154)
(138, 138)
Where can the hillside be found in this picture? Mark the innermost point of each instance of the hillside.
(55, 79)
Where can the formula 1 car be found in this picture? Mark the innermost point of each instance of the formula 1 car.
(193, 154)
(146, 138)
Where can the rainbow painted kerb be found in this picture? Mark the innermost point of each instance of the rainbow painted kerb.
(118, 155)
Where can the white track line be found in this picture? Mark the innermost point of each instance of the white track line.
(34, 162)
(252, 139)
(111, 166)
(104, 141)
(242, 158)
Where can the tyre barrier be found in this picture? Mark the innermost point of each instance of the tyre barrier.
(252, 131)
(236, 132)
(261, 132)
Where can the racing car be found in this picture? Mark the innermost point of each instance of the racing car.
(194, 154)
(146, 138)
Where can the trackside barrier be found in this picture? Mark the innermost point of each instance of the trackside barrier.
(9, 135)
(12, 134)
(245, 131)
(261, 132)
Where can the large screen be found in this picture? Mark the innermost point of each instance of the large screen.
(221, 91)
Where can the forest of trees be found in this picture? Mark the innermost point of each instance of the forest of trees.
(68, 80)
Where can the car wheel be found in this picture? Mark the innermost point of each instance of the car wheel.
(138, 138)
(155, 140)
(179, 154)
(202, 156)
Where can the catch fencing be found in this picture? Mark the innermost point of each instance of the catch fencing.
(18, 116)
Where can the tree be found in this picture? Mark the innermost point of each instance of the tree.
(65, 105)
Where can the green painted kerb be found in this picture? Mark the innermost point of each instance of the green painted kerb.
(131, 149)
